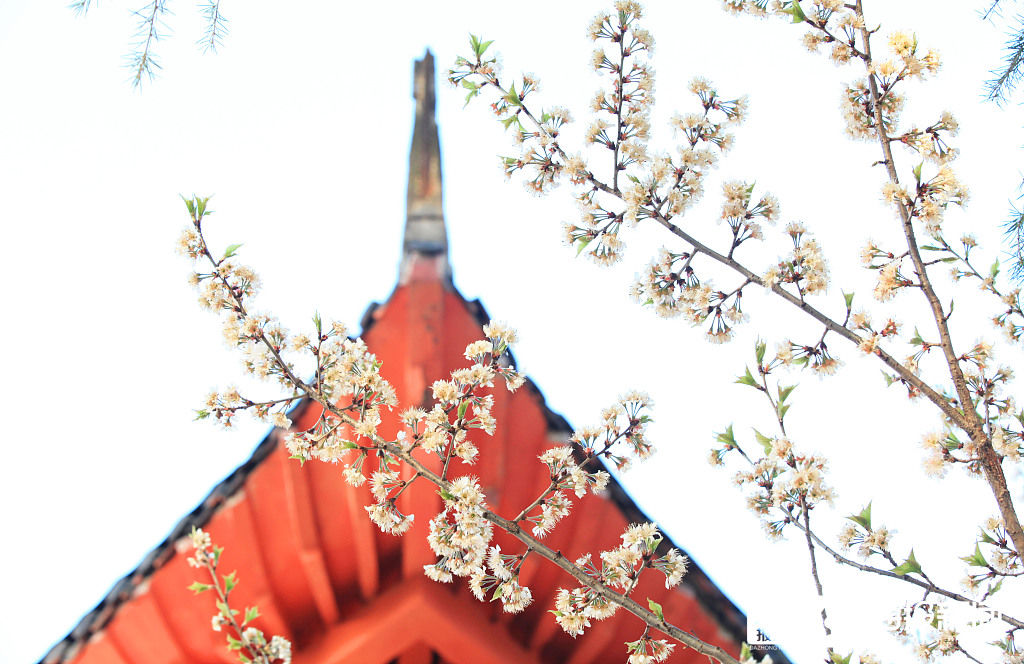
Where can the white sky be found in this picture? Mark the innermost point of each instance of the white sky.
(300, 128)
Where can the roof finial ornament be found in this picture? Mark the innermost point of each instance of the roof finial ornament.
(425, 234)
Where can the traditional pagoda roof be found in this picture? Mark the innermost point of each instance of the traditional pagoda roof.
(326, 578)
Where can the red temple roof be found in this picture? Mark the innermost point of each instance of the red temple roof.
(327, 579)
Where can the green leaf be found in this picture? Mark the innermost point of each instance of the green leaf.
(727, 437)
(189, 205)
(463, 407)
(784, 392)
(986, 538)
(447, 496)
(745, 652)
(198, 587)
(863, 519)
(917, 172)
(839, 659)
(512, 96)
(976, 559)
(994, 270)
(230, 581)
(251, 613)
(747, 379)
(233, 643)
(909, 566)
(201, 414)
(583, 245)
(783, 409)
(654, 606)
(849, 299)
(230, 251)
(995, 587)
(797, 11)
(765, 441)
(759, 349)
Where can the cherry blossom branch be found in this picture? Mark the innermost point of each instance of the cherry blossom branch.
(970, 420)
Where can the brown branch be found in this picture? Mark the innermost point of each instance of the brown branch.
(970, 422)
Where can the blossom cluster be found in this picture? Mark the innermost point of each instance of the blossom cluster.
(566, 475)
(804, 267)
(622, 434)
(1001, 559)
(781, 479)
(619, 568)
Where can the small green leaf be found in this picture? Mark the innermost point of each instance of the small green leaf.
(839, 659)
(849, 299)
(917, 172)
(230, 251)
(447, 496)
(654, 606)
(251, 613)
(994, 270)
(976, 559)
(863, 519)
(189, 205)
(797, 11)
(583, 245)
(764, 440)
(986, 538)
(201, 414)
(512, 97)
(909, 566)
(230, 581)
(727, 437)
(463, 407)
(747, 379)
(784, 392)
(198, 587)
(995, 587)
(783, 409)
(759, 349)
(745, 652)
(233, 643)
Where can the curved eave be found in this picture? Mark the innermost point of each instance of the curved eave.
(322, 597)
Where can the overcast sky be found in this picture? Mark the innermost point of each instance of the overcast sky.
(300, 130)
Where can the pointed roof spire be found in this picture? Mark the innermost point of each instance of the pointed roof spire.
(425, 234)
